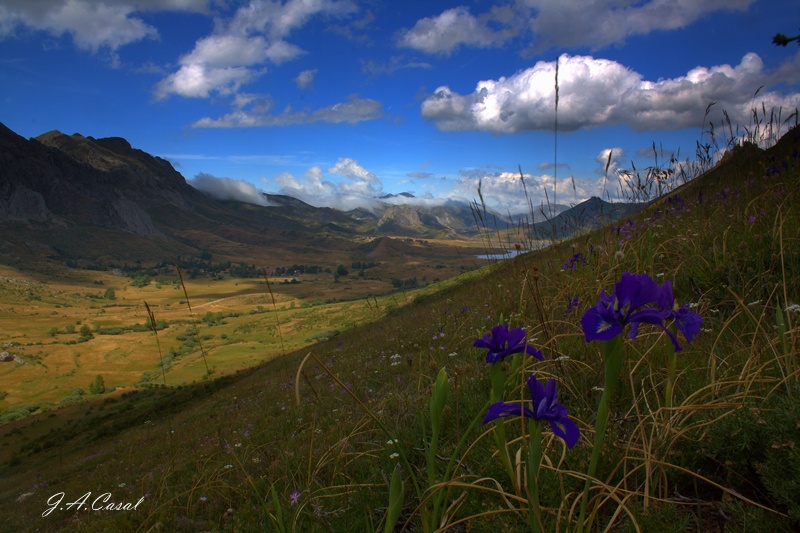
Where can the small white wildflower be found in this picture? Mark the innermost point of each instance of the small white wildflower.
(660, 275)
(793, 307)
(395, 455)
(395, 363)
(227, 467)
(754, 303)
(692, 305)
(601, 389)
(121, 485)
(562, 358)
(237, 445)
(714, 310)
(452, 354)
(256, 460)
(707, 330)
(395, 356)
(392, 441)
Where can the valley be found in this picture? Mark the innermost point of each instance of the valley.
(66, 326)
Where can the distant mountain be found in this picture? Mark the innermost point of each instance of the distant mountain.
(398, 195)
(587, 215)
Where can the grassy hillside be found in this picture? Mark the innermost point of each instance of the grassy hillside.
(365, 432)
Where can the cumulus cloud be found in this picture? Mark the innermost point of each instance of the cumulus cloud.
(354, 110)
(360, 182)
(453, 28)
(240, 48)
(503, 191)
(229, 189)
(360, 188)
(601, 92)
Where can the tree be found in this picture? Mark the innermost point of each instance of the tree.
(86, 331)
(109, 294)
(98, 386)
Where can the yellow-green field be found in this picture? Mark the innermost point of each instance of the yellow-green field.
(66, 332)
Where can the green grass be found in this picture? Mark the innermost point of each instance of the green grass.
(238, 453)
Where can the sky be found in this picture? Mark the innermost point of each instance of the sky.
(338, 102)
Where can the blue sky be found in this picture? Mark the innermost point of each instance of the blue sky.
(340, 101)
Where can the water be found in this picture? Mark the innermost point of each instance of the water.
(504, 255)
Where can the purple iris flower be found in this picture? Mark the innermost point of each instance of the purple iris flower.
(626, 305)
(572, 303)
(687, 322)
(502, 342)
(545, 407)
(572, 264)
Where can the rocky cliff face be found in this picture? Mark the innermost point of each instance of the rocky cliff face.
(60, 179)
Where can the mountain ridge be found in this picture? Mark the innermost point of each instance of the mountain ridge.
(64, 191)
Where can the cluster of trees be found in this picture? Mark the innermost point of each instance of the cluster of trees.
(403, 284)
(299, 269)
(363, 265)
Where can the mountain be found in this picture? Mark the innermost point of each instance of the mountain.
(71, 197)
(398, 195)
(587, 215)
(57, 179)
(84, 198)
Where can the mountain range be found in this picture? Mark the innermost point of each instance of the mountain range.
(71, 196)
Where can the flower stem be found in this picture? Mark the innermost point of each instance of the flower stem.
(498, 379)
(534, 460)
(672, 363)
(613, 359)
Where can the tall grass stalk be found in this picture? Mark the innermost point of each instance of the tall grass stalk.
(194, 321)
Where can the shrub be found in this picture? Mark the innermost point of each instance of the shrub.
(98, 386)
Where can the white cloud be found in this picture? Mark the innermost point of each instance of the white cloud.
(229, 189)
(305, 79)
(600, 92)
(352, 111)
(608, 160)
(575, 23)
(455, 27)
(199, 81)
(361, 182)
(227, 51)
(359, 190)
(92, 25)
(503, 191)
(241, 47)
(546, 24)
